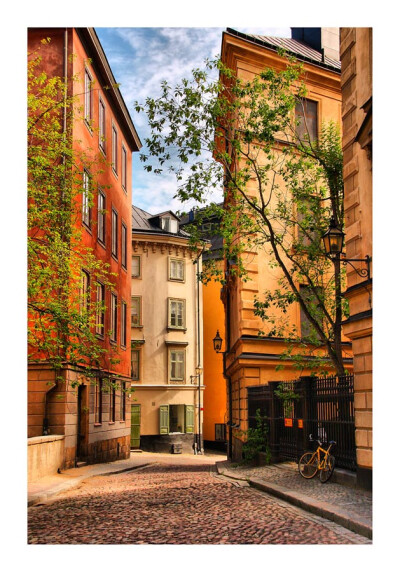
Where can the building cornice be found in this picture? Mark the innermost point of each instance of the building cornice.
(95, 50)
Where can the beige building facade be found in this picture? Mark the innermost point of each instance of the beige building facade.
(166, 337)
(356, 57)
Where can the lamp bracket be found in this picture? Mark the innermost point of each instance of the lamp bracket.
(362, 272)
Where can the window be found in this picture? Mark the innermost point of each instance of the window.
(114, 149)
(306, 114)
(84, 294)
(136, 268)
(220, 432)
(114, 317)
(112, 404)
(123, 323)
(123, 168)
(114, 233)
(102, 126)
(122, 402)
(101, 217)
(176, 269)
(136, 311)
(86, 198)
(88, 112)
(176, 313)
(100, 299)
(169, 224)
(123, 244)
(309, 297)
(98, 401)
(176, 419)
(135, 364)
(176, 365)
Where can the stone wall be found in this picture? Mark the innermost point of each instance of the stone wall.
(45, 456)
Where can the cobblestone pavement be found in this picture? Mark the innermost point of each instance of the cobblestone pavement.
(171, 503)
(360, 502)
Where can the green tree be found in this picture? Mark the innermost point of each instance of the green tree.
(280, 190)
(62, 310)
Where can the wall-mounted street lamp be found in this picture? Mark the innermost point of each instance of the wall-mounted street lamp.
(193, 380)
(217, 341)
(333, 243)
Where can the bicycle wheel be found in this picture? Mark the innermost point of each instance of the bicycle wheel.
(308, 465)
(326, 473)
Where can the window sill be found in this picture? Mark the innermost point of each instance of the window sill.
(111, 422)
(102, 243)
(98, 424)
(99, 336)
(176, 328)
(115, 257)
(139, 327)
(87, 227)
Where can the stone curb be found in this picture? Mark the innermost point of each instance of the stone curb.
(324, 509)
(52, 491)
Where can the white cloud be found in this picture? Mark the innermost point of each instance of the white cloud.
(141, 58)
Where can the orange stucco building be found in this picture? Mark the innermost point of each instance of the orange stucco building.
(95, 425)
(251, 359)
(356, 57)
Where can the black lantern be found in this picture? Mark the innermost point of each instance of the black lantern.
(333, 239)
(217, 341)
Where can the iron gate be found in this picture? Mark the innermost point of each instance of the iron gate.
(323, 407)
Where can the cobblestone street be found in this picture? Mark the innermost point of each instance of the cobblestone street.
(176, 502)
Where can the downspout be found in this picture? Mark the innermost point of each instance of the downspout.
(199, 448)
(228, 377)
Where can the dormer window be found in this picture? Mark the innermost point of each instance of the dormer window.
(169, 224)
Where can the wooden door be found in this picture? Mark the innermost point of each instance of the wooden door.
(135, 426)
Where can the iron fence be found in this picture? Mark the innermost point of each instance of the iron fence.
(323, 407)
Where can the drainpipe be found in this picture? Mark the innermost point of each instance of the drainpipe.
(199, 448)
(228, 377)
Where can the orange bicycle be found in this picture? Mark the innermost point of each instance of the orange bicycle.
(320, 460)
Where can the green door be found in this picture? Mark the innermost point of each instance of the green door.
(135, 426)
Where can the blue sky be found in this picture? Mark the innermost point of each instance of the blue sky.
(141, 58)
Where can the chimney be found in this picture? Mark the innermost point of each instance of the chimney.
(324, 40)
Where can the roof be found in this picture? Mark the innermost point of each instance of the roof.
(144, 222)
(299, 49)
(92, 44)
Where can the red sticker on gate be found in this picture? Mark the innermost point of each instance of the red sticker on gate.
(300, 423)
(288, 422)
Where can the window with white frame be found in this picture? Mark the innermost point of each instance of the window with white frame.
(177, 269)
(98, 401)
(136, 311)
(123, 323)
(124, 234)
(86, 198)
(101, 217)
(114, 233)
(114, 149)
(100, 301)
(176, 313)
(88, 106)
(123, 168)
(176, 365)
(114, 317)
(102, 126)
(136, 267)
(122, 402)
(112, 404)
(84, 294)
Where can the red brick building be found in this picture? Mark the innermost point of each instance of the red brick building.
(96, 425)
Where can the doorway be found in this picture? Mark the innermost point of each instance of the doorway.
(81, 438)
(135, 426)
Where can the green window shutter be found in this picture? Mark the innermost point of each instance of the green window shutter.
(164, 419)
(189, 418)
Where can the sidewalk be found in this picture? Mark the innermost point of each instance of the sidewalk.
(345, 505)
(47, 487)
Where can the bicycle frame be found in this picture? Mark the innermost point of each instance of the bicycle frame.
(321, 461)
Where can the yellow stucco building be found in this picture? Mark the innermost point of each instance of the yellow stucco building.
(251, 359)
(166, 337)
